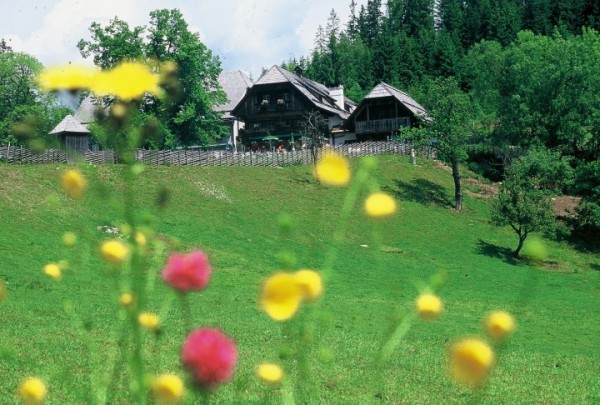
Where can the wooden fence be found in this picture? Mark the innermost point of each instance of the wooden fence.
(21, 155)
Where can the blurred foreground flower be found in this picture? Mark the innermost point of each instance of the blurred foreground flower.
(53, 270)
(69, 239)
(126, 299)
(471, 361)
(281, 296)
(210, 356)
(333, 170)
(32, 391)
(127, 81)
(499, 325)
(380, 205)
(167, 389)
(187, 272)
(149, 321)
(114, 252)
(310, 282)
(270, 373)
(67, 77)
(428, 306)
(73, 183)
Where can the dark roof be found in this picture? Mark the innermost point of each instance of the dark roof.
(71, 125)
(385, 90)
(317, 93)
(234, 84)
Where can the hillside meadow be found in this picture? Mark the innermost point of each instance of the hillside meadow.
(66, 332)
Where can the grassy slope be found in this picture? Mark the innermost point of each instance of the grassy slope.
(231, 213)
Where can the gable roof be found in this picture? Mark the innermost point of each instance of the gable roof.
(234, 84)
(85, 113)
(385, 90)
(69, 124)
(317, 93)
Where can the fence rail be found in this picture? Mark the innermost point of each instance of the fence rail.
(190, 157)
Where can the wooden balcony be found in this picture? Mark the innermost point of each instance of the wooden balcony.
(387, 125)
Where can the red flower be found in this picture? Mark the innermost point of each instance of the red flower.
(187, 272)
(210, 356)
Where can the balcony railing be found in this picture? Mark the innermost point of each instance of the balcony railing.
(387, 125)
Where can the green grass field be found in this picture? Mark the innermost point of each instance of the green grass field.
(231, 213)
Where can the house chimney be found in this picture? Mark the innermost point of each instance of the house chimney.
(337, 93)
(298, 69)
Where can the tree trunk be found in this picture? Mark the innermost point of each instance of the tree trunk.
(520, 246)
(458, 198)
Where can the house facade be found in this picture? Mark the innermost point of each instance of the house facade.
(276, 106)
(235, 84)
(383, 112)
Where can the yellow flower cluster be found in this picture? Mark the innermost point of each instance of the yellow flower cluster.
(115, 252)
(167, 389)
(428, 306)
(32, 391)
(53, 270)
(269, 373)
(499, 325)
(126, 299)
(380, 205)
(333, 170)
(149, 321)
(73, 183)
(127, 81)
(283, 292)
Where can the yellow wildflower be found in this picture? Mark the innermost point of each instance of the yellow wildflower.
(310, 282)
(333, 170)
(32, 391)
(471, 360)
(167, 389)
(379, 205)
(148, 320)
(127, 81)
(140, 238)
(114, 252)
(53, 270)
(126, 299)
(67, 77)
(281, 296)
(69, 238)
(270, 373)
(428, 306)
(499, 325)
(73, 183)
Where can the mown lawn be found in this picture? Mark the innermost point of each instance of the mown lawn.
(231, 213)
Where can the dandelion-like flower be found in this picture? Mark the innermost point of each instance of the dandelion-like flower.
(67, 77)
(32, 391)
(73, 183)
(187, 272)
(126, 299)
(428, 306)
(310, 283)
(210, 356)
(471, 361)
(127, 81)
(149, 321)
(499, 325)
(53, 270)
(333, 170)
(167, 389)
(380, 205)
(281, 296)
(140, 239)
(69, 239)
(270, 373)
(115, 252)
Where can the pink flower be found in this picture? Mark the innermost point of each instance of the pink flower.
(210, 356)
(187, 272)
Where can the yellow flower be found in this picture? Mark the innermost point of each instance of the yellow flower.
(148, 320)
(127, 81)
(66, 77)
(73, 183)
(167, 389)
(270, 373)
(310, 282)
(428, 306)
(32, 391)
(333, 170)
(140, 238)
(379, 205)
(52, 270)
(471, 361)
(69, 238)
(499, 325)
(114, 252)
(126, 299)
(281, 296)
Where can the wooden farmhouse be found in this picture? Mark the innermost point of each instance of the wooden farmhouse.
(275, 107)
(235, 84)
(382, 113)
(72, 136)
